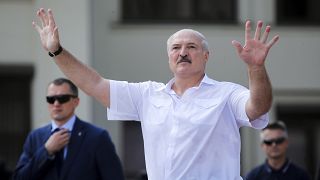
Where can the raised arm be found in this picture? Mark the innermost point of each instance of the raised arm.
(82, 75)
(254, 54)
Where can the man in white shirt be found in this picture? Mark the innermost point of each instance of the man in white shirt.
(191, 124)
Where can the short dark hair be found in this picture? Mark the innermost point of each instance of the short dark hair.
(276, 125)
(60, 81)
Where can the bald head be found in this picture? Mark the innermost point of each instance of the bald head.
(200, 36)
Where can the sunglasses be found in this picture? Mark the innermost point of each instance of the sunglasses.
(60, 98)
(277, 141)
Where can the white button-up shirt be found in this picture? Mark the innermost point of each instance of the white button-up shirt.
(195, 136)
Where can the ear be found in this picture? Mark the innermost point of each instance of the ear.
(206, 56)
(76, 101)
(261, 145)
(287, 142)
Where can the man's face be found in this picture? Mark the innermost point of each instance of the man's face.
(186, 54)
(61, 111)
(275, 143)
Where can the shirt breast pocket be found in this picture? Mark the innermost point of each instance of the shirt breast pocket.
(158, 111)
(206, 111)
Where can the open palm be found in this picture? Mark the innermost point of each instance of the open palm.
(49, 35)
(255, 50)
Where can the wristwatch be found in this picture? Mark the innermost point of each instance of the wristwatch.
(56, 53)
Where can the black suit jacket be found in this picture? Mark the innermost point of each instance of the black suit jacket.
(91, 156)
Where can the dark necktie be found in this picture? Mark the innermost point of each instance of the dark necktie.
(59, 156)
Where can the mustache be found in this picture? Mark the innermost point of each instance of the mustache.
(184, 59)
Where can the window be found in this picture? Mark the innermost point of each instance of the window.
(179, 11)
(297, 12)
(15, 111)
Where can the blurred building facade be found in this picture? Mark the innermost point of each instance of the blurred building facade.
(126, 40)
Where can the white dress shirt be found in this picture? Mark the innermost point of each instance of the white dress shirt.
(192, 137)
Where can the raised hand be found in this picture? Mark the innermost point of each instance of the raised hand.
(256, 49)
(48, 32)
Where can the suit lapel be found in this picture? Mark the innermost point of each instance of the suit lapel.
(46, 133)
(77, 135)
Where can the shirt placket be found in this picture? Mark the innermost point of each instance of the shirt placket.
(177, 108)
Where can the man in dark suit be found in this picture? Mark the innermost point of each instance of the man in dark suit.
(67, 148)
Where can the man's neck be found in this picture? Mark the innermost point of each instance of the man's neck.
(62, 122)
(181, 84)
(277, 163)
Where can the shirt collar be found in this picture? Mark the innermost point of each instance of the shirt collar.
(68, 125)
(283, 169)
(205, 80)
